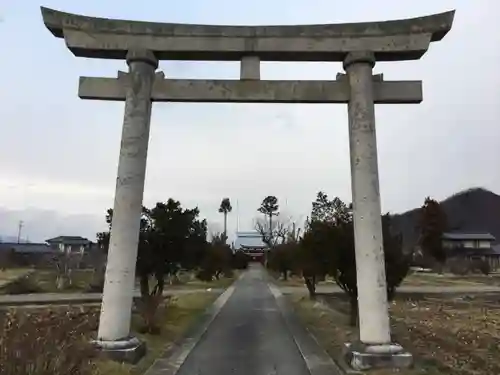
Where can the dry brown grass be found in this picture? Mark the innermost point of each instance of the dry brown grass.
(176, 318)
(445, 336)
(47, 341)
(415, 279)
(56, 340)
(422, 279)
(493, 279)
(44, 281)
(10, 274)
(222, 283)
(296, 280)
(461, 338)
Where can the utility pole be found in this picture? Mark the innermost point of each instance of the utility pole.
(21, 224)
(237, 216)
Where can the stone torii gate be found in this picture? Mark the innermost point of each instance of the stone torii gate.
(357, 45)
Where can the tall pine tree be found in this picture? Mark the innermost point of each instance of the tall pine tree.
(432, 224)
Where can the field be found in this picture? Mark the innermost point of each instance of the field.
(417, 279)
(446, 335)
(432, 279)
(44, 281)
(178, 316)
(22, 281)
(55, 340)
(9, 275)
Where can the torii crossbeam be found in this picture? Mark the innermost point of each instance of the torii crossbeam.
(250, 91)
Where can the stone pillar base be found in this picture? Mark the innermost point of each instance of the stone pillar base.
(361, 356)
(129, 350)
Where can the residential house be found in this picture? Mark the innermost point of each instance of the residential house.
(251, 244)
(472, 246)
(86, 252)
(468, 240)
(25, 254)
(70, 244)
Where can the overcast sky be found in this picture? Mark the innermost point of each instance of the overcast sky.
(59, 154)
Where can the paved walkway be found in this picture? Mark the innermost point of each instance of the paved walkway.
(248, 337)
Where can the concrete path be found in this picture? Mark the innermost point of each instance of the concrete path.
(65, 298)
(248, 337)
(465, 289)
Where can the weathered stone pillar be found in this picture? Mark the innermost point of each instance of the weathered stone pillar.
(374, 349)
(372, 293)
(114, 324)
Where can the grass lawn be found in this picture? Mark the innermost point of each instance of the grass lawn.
(10, 274)
(415, 279)
(493, 279)
(445, 335)
(178, 316)
(223, 282)
(291, 281)
(432, 279)
(294, 280)
(44, 281)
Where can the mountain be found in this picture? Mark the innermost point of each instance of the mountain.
(475, 210)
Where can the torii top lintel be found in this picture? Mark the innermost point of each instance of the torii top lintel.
(406, 39)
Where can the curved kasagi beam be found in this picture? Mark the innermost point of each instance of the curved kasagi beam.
(406, 39)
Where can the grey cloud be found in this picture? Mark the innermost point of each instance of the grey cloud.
(200, 153)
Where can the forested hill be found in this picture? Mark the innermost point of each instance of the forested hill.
(473, 210)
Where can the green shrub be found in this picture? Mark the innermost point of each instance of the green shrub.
(482, 266)
(460, 267)
(240, 260)
(205, 274)
(23, 285)
(151, 307)
(95, 288)
(464, 266)
(229, 273)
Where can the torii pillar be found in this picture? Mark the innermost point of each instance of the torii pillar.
(119, 286)
(358, 46)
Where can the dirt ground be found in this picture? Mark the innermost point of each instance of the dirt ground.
(453, 335)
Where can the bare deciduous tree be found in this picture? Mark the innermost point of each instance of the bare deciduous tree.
(278, 234)
(65, 262)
